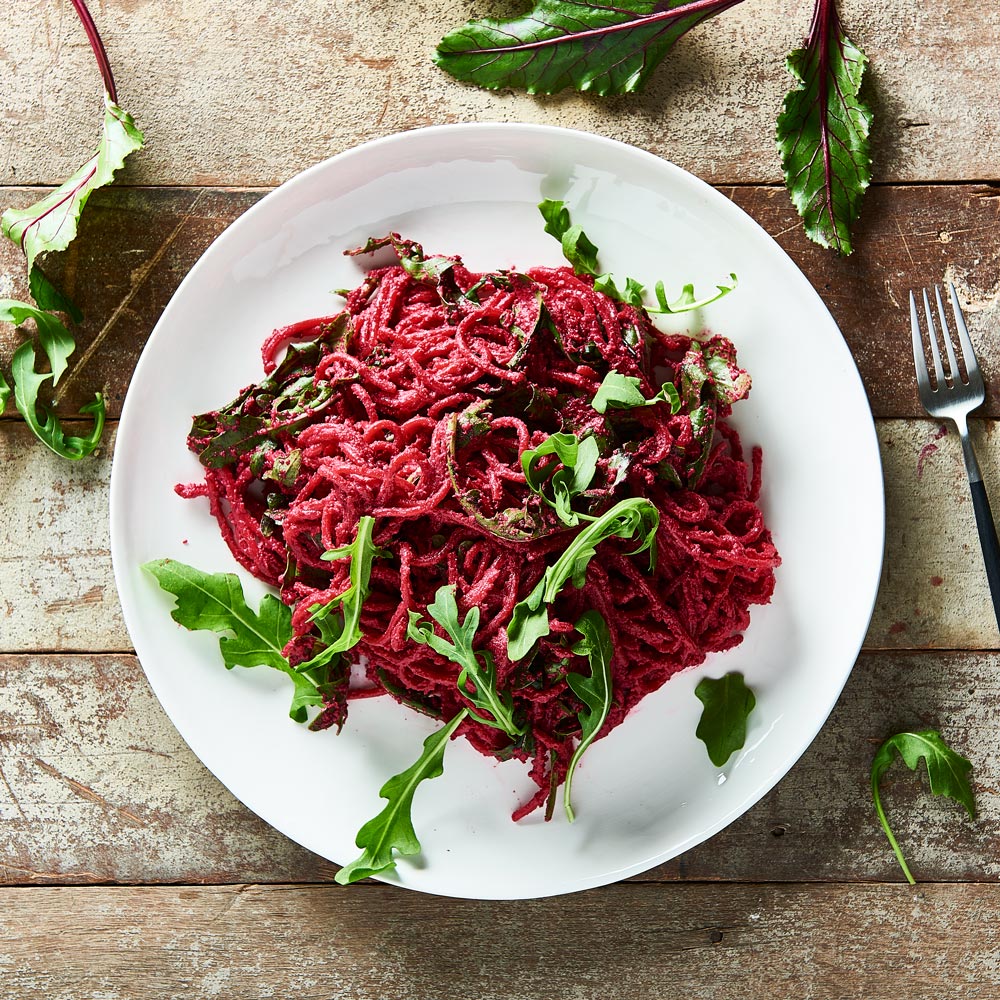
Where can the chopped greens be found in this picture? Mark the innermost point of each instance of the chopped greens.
(391, 831)
(622, 392)
(594, 691)
(578, 460)
(478, 667)
(947, 771)
(727, 703)
(627, 519)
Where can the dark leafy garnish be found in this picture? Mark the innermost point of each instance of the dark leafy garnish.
(569, 476)
(594, 691)
(947, 771)
(391, 831)
(411, 257)
(601, 48)
(723, 727)
(266, 413)
(634, 517)
(478, 667)
(823, 131)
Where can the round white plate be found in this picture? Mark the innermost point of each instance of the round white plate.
(648, 791)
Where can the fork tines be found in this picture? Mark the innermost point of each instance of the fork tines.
(952, 377)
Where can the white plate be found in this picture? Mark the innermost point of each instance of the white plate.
(648, 791)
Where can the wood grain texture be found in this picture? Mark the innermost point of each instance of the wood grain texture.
(136, 245)
(250, 96)
(97, 786)
(376, 943)
(57, 589)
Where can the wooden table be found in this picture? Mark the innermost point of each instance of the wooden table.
(128, 871)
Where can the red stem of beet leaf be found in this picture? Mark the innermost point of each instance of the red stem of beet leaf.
(824, 22)
(97, 45)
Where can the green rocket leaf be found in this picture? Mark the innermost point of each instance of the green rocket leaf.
(947, 771)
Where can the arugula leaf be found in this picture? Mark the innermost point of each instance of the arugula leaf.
(582, 254)
(483, 675)
(48, 297)
(57, 343)
(362, 551)
(391, 831)
(621, 392)
(601, 48)
(55, 339)
(594, 691)
(688, 301)
(723, 726)
(628, 518)
(51, 224)
(823, 131)
(4, 393)
(215, 602)
(579, 464)
(947, 770)
(576, 247)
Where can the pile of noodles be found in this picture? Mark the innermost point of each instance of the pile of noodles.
(413, 406)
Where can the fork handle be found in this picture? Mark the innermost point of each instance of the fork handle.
(988, 540)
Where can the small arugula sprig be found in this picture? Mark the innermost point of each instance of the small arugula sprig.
(622, 392)
(215, 602)
(342, 636)
(687, 301)
(727, 703)
(581, 253)
(578, 460)
(391, 831)
(478, 666)
(628, 518)
(947, 771)
(594, 691)
(47, 227)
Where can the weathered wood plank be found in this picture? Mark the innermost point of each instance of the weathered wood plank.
(57, 590)
(84, 747)
(252, 99)
(137, 244)
(313, 943)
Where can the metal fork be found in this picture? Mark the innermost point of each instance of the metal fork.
(951, 398)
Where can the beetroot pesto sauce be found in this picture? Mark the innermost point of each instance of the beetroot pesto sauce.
(413, 406)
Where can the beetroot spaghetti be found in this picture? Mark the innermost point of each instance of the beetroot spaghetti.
(452, 432)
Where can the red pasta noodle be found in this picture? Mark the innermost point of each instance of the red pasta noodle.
(413, 406)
